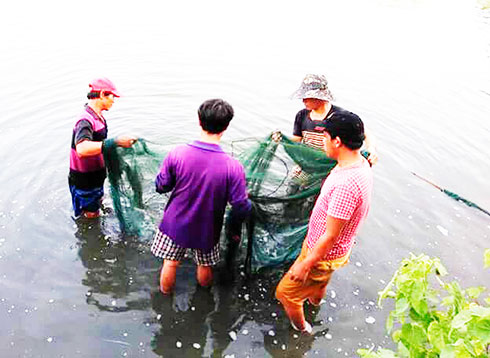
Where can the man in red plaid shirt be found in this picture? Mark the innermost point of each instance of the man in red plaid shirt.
(340, 209)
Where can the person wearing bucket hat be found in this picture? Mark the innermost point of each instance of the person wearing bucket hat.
(89, 138)
(337, 216)
(310, 121)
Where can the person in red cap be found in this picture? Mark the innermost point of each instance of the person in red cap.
(87, 167)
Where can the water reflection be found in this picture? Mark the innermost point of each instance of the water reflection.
(120, 269)
(222, 320)
(228, 318)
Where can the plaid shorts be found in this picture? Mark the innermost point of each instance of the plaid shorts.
(165, 248)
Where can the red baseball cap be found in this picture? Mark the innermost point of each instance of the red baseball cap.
(104, 84)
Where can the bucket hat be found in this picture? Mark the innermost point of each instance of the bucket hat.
(314, 86)
(104, 84)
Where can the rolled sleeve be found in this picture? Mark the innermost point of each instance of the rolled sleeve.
(298, 124)
(83, 131)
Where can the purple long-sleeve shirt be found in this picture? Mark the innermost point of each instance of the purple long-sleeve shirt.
(203, 179)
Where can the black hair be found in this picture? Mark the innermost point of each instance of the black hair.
(348, 127)
(93, 94)
(215, 115)
(97, 94)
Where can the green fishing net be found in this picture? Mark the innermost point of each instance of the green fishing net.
(283, 179)
(131, 174)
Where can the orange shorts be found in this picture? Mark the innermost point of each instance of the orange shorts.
(293, 293)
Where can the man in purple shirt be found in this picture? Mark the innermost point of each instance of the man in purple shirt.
(202, 179)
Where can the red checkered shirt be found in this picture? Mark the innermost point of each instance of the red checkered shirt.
(346, 195)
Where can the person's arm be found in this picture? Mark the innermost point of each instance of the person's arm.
(342, 204)
(299, 271)
(165, 180)
(298, 127)
(370, 146)
(87, 148)
(241, 206)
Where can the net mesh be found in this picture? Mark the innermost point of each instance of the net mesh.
(283, 179)
(131, 173)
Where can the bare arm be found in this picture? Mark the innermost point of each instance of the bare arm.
(370, 146)
(89, 148)
(296, 138)
(299, 271)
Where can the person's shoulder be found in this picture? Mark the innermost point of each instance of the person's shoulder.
(179, 149)
(335, 109)
(302, 113)
(338, 109)
(360, 176)
(84, 122)
(84, 117)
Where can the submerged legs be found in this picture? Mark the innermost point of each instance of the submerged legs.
(169, 272)
(167, 276)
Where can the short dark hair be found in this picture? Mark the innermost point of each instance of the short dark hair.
(93, 94)
(215, 115)
(348, 127)
(97, 94)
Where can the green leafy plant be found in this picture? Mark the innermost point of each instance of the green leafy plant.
(432, 318)
(484, 4)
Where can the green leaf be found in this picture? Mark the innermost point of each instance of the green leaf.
(448, 352)
(401, 305)
(417, 298)
(367, 353)
(404, 284)
(413, 335)
(460, 320)
(432, 298)
(387, 290)
(475, 292)
(402, 350)
(477, 347)
(396, 335)
(479, 311)
(436, 335)
(447, 301)
(458, 297)
(428, 329)
(481, 329)
(456, 350)
(386, 353)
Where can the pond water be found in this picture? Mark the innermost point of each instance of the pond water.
(417, 72)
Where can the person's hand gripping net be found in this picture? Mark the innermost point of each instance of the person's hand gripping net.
(276, 136)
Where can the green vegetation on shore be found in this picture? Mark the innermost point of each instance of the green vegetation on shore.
(434, 318)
